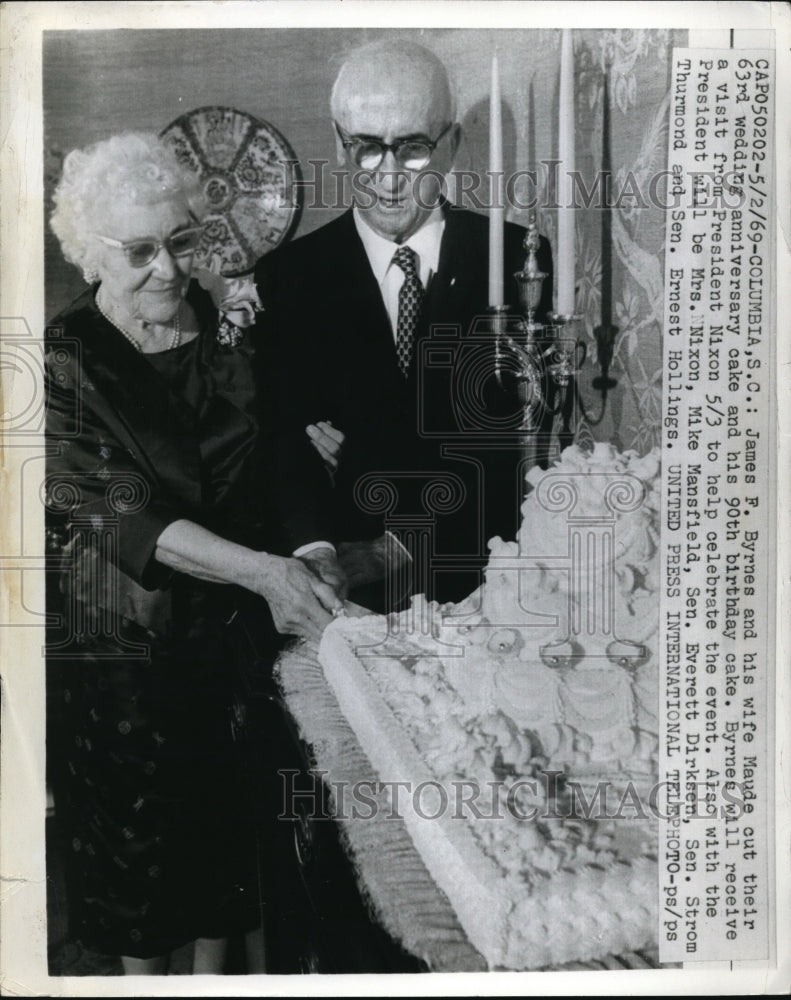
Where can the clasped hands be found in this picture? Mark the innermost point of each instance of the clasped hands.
(355, 564)
(305, 593)
(301, 602)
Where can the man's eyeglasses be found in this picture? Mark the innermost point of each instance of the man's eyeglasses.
(410, 154)
(141, 252)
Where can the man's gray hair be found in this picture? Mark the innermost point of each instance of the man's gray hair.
(374, 55)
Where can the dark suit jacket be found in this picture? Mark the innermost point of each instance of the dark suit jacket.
(331, 350)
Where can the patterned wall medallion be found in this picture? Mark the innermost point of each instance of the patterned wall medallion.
(249, 175)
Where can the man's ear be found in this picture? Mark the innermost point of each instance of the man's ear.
(456, 134)
(340, 152)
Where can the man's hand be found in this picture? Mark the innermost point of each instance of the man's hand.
(324, 563)
(328, 442)
(370, 561)
(301, 603)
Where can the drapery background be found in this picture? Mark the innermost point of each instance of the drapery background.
(99, 83)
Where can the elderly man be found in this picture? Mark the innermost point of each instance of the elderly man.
(371, 319)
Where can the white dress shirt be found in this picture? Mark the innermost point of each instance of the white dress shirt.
(426, 244)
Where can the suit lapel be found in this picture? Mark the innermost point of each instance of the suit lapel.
(360, 303)
(361, 283)
(454, 286)
(451, 296)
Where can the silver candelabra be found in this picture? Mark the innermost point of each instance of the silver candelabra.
(543, 356)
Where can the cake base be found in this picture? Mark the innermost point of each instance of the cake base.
(401, 893)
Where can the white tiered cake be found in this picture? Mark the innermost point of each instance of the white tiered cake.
(524, 720)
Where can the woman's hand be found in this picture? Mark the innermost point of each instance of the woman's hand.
(301, 603)
(328, 442)
(324, 563)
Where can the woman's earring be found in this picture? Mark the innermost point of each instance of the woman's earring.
(90, 275)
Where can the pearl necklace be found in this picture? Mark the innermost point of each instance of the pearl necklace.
(175, 339)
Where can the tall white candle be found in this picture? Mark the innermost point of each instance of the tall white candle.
(497, 206)
(566, 214)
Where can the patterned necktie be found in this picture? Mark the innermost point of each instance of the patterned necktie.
(410, 301)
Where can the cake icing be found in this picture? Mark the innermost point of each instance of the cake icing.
(529, 703)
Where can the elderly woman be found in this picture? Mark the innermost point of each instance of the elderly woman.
(157, 488)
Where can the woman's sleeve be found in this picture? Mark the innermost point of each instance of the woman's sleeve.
(94, 480)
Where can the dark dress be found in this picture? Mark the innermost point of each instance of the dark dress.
(153, 792)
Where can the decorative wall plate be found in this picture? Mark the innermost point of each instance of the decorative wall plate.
(249, 175)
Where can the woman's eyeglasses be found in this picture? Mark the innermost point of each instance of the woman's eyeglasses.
(141, 252)
(410, 154)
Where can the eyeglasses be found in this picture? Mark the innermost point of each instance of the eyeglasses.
(141, 252)
(410, 154)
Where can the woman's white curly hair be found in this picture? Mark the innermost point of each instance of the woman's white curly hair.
(134, 167)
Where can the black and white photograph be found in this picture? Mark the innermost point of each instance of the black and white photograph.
(395, 550)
